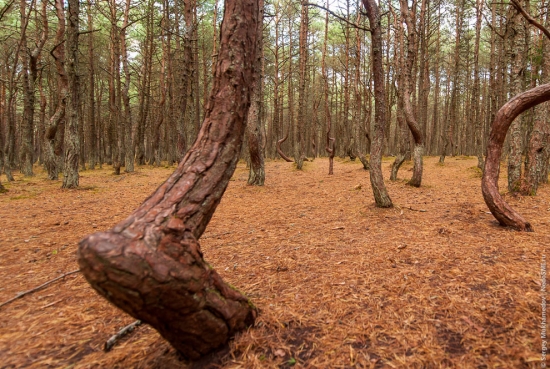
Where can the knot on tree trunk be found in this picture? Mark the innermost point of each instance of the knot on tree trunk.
(160, 277)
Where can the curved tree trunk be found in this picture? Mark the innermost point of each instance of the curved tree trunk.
(150, 265)
(377, 180)
(280, 151)
(489, 184)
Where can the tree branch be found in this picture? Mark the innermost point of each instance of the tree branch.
(354, 25)
(530, 19)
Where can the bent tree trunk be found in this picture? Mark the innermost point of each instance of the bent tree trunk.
(150, 265)
(280, 151)
(489, 183)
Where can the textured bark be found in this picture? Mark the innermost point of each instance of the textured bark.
(377, 180)
(537, 155)
(150, 265)
(72, 141)
(256, 174)
(489, 184)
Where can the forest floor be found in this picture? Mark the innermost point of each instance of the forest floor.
(431, 283)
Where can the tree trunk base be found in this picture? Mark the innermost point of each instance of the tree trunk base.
(160, 277)
(399, 159)
(364, 161)
(416, 180)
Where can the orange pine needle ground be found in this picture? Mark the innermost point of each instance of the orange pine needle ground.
(432, 283)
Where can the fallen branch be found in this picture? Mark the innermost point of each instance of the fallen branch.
(21, 294)
(420, 210)
(123, 332)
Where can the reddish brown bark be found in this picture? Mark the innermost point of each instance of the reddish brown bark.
(150, 265)
(489, 184)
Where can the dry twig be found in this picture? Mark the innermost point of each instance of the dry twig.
(21, 294)
(123, 332)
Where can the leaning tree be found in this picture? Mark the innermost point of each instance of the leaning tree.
(151, 265)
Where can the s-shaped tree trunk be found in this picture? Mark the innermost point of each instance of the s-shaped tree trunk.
(150, 265)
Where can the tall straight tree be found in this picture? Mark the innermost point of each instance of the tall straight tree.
(92, 141)
(381, 196)
(516, 33)
(330, 142)
(452, 118)
(475, 118)
(72, 140)
(256, 175)
(127, 117)
(29, 60)
(299, 124)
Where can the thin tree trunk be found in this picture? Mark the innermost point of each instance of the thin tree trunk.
(330, 142)
(151, 265)
(299, 124)
(29, 60)
(92, 125)
(476, 119)
(128, 144)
